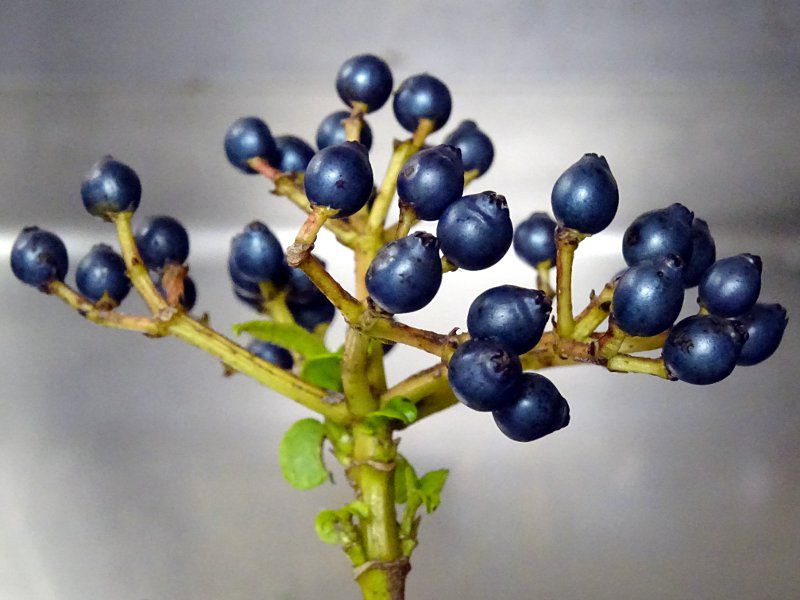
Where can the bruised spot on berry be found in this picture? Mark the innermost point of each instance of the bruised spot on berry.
(341, 184)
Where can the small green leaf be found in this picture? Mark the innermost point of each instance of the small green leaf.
(324, 370)
(430, 488)
(288, 335)
(405, 479)
(397, 408)
(357, 508)
(301, 455)
(326, 526)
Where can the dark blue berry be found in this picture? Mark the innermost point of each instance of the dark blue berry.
(102, 271)
(730, 287)
(331, 131)
(513, 315)
(405, 274)
(272, 353)
(240, 282)
(38, 257)
(484, 374)
(432, 180)
(254, 301)
(475, 232)
(657, 233)
(764, 324)
(310, 316)
(648, 297)
(585, 196)
(162, 240)
(110, 187)
(538, 411)
(422, 97)
(340, 177)
(293, 154)
(703, 349)
(301, 290)
(257, 255)
(534, 239)
(704, 253)
(477, 151)
(366, 79)
(249, 137)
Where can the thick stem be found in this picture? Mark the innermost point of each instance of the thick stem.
(137, 272)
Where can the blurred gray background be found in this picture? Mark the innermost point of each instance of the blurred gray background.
(130, 469)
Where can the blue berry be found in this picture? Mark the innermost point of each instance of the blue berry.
(331, 131)
(585, 196)
(102, 271)
(765, 324)
(484, 374)
(538, 411)
(366, 79)
(340, 177)
(301, 290)
(293, 154)
(272, 353)
(110, 187)
(310, 316)
(249, 137)
(703, 349)
(240, 282)
(704, 253)
(477, 151)
(405, 274)
(513, 315)
(38, 257)
(431, 180)
(648, 297)
(257, 255)
(254, 301)
(475, 232)
(535, 239)
(730, 287)
(422, 97)
(162, 240)
(657, 233)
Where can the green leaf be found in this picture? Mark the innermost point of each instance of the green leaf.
(357, 508)
(326, 526)
(301, 455)
(324, 370)
(398, 408)
(288, 335)
(405, 479)
(430, 488)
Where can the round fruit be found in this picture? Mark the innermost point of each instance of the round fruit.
(272, 353)
(366, 79)
(249, 137)
(513, 315)
(477, 151)
(422, 97)
(484, 374)
(765, 324)
(257, 255)
(240, 282)
(331, 131)
(657, 233)
(730, 287)
(38, 257)
(301, 290)
(110, 187)
(704, 253)
(432, 180)
(340, 177)
(405, 274)
(475, 232)
(162, 240)
(535, 239)
(539, 410)
(102, 271)
(293, 154)
(310, 316)
(585, 196)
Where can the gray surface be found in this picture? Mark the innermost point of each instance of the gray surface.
(130, 469)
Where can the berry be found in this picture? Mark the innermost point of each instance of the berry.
(162, 240)
(254, 301)
(293, 154)
(484, 374)
(257, 255)
(657, 233)
(331, 131)
(340, 177)
(272, 353)
(704, 253)
(241, 284)
(585, 196)
(648, 297)
(765, 324)
(432, 180)
(301, 290)
(730, 287)
(110, 187)
(703, 349)
(102, 271)
(249, 137)
(534, 239)
(538, 410)
(422, 97)
(405, 274)
(475, 232)
(38, 257)
(513, 315)
(310, 316)
(366, 79)
(477, 151)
